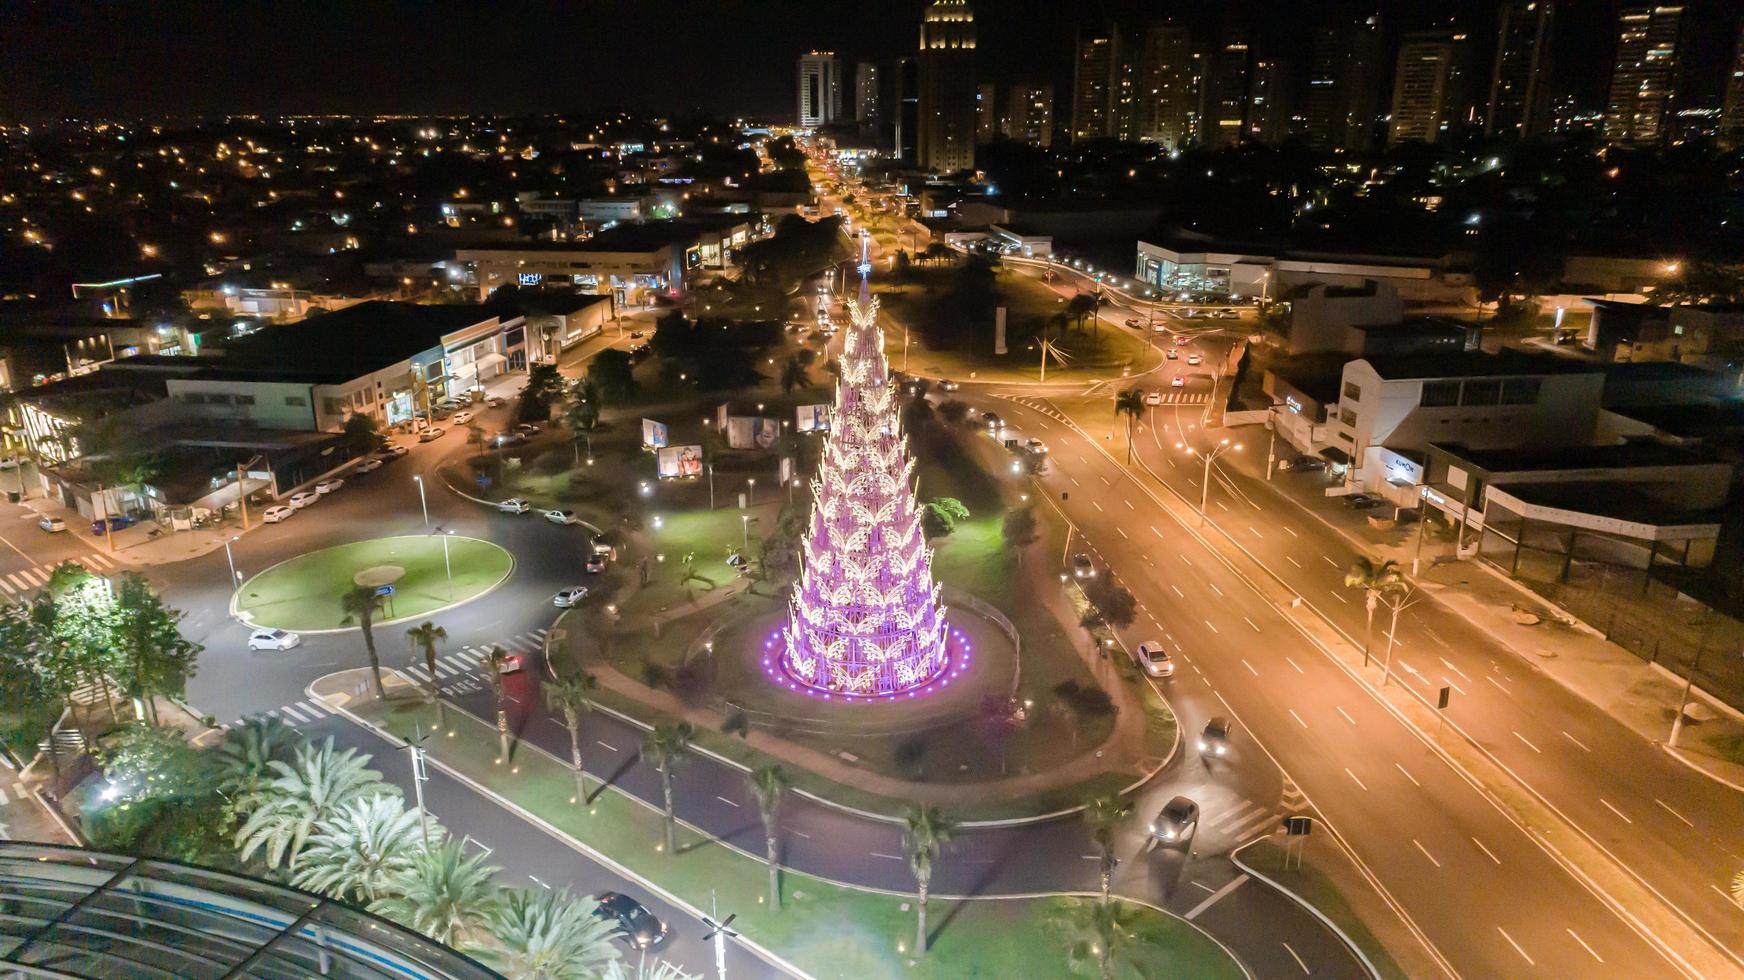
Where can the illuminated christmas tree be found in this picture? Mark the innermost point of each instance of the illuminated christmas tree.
(866, 619)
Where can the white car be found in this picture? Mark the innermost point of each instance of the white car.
(303, 498)
(1177, 382)
(277, 513)
(514, 505)
(1036, 446)
(1195, 359)
(329, 485)
(273, 640)
(1153, 659)
(562, 517)
(1153, 397)
(432, 434)
(52, 524)
(369, 465)
(461, 418)
(948, 385)
(569, 597)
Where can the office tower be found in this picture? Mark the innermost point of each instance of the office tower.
(868, 105)
(905, 121)
(946, 79)
(986, 112)
(1167, 106)
(1644, 78)
(1467, 84)
(1098, 83)
(820, 89)
(1269, 98)
(1732, 111)
(1520, 78)
(1029, 113)
(1420, 87)
(1338, 106)
(1227, 84)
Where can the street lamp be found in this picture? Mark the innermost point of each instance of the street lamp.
(745, 526)
(751, 490)
(446, 564)
(235, 576)
(1223, 446)
(422, 502)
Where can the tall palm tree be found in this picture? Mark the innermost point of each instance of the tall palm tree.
(425, 636)
(572, 696)
(360, 604)
(925, 836)
(666, 743)
(498, 657)
(1129, 405)
(550, 935)
(1080, 308)
(1111, 930)
(646, 969)
(356, 852)
(443, 894)
(1374, 578)
(247, 748)
(1105, 815)
(769, 784)
(314, 785)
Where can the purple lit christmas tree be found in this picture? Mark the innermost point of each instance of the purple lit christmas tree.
(866, 620)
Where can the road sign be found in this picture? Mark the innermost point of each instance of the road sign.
(1442, 699)
(1295, 826)
(384, 591)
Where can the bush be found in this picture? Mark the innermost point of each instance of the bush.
(554, 462)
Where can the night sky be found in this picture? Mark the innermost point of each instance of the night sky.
(183, 58)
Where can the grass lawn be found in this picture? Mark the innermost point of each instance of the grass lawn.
(303, 592)
(828, 930)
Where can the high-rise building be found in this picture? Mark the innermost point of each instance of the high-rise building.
(1732, 110)
(905, 110)
(1269, 98)
(1338, 106)
(868, 96)
(1097, 83)
(1644, 78)
(946, 81)
(986, 112)
(1227, 91)
(1420, 87)
(1520, 79)
(1166, 109)
(820, 89)
(1029, 113)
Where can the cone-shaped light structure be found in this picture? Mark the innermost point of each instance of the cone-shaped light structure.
(866, 619)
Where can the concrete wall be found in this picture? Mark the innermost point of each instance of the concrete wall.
(267, 404)
(1320, 322)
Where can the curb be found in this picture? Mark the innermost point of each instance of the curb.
(1350, 944)
(248, 620)
(451, 488)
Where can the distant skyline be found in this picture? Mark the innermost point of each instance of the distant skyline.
(199, 57)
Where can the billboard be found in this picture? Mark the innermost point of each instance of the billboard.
(674, 462)
(751, 432)
(812, 418)
(653, 434)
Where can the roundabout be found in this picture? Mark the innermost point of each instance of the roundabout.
(417, 575)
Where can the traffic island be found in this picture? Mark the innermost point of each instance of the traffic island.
(416, 575)
(824, 929)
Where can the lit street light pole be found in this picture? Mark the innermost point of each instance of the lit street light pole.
(745, 526)
(235, 576)
(419, 776)
(446, 564)
(422, 503)
(1223, 446)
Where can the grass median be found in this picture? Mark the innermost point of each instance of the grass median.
(303, 593)
(825, 929)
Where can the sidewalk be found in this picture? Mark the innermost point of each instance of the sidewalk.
(1638, 694)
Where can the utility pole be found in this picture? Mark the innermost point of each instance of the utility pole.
(1223, 446)
(1271, 440)
(108, 530)
(419, 776)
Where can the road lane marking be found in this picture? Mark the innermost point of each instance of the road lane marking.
(1613, 809)
(1353, 778)
(1486, 851)
(603, 745)
(1157, 532)
(1329, 561)
(1674, 813)
(1256, 626)
(1584, 945)
(1208, 889)
(1293, 534)
(1296, 716)
(1412, 778)
(1454, 669)
(1189, 561)
(726, 801)
(1292, 561)
(536, 881)
(1250, 667)
(1129, 505)
(800, 833)
(1576, 741)
(1292, 663)
(1122, 532)
(1498, 684)
(1517, 949)
(1097, 506)
(1426, 853)
(1213, 898)
(1107, 482)
(1298, 959)
(1213, 628)
(1215, 589)
(1528, 743)
(1178, 591)
(1256, 532)
(889, 857)
(1074, 481)
(1345, 713)
(1340, 598)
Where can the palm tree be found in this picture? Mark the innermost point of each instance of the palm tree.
(794, 374)
(314, 785)
(353, 854)
(1738, 888)
(248, 748)
(1111, 929)
(360, 604)
(927, 833)
(769, 784)
(443, 894)
(1105, 815)
(1373, 578)
(498, 659)
(572, 696)
(1129, 405)
(647, 970)
(666, 743)
(550, 935)
(1081, 307)
(425, 636)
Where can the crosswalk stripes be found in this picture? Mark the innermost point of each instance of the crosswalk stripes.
(1242, 822)
(30, 579)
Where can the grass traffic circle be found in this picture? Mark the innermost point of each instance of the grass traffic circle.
(303, 593)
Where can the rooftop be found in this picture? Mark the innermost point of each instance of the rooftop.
(1475, 364)
(1626, 455)
(335, 347)
(1606, 498)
